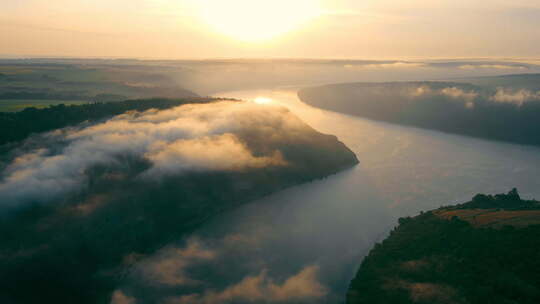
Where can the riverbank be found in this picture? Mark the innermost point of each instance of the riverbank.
(482, 251)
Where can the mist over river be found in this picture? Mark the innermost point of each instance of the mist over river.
(313, 236)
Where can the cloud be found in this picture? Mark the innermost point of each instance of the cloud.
(421, 90)
(118, 297)
(303, 286)
(89, 205)
(469, 97)
(206, 153)
(223, 136)
(459, 93)
(515, 96)
(200, 272)
(252, 240)
(391, 65)
(492, 66)
(425, 292)
(452, 92)
(170, 266)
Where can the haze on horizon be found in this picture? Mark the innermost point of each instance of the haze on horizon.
(182, 29)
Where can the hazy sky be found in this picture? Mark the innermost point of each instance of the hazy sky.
(278, 28)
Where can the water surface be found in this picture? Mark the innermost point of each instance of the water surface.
(328, 225)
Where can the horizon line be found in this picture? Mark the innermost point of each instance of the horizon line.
(269, 58)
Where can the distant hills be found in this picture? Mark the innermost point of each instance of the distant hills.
(482, 251)
(505, 108)
(27, 83)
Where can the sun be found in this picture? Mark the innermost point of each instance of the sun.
(262, 100)
(256, 20)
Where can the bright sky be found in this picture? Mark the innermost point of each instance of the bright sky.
(179, 29)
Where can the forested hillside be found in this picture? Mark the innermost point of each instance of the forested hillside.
(16, 126)
(483, 108)
(483, 251)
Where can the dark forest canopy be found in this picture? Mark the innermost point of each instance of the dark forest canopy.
(482, 251)
(500, 108)
(79, 202)
(17, 126)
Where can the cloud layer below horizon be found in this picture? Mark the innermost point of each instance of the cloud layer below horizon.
(189, 138)
(172, 275)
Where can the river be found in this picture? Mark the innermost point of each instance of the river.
(316, 234)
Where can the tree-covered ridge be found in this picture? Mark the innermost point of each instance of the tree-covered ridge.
(436, 259)
(509, 201)
(76, 203)
(17, 126)
(506, 109)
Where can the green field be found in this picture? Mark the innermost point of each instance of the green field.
(31, 83)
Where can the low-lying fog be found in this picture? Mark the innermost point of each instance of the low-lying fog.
(212, 76)
(303, 245)
(140, 78)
